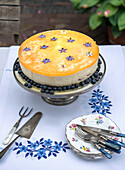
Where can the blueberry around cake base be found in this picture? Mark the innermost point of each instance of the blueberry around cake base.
(60, 95)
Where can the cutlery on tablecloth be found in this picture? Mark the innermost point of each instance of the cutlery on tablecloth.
(88, 138)
(25, 131)
(99, 135)
(13, 130)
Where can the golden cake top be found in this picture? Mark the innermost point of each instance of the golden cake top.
(58, 52)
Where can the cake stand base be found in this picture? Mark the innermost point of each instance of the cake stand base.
(60, 101)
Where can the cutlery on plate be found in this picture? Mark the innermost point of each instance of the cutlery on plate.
(13, 130)
(25, 131)
(101, 142)
(88, 138)
(115, 144)
(105, 131)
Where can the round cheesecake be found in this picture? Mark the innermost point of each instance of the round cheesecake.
(59, 57)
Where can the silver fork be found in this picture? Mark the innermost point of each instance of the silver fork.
(12, 131)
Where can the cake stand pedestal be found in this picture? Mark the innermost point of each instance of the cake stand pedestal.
(60, 97)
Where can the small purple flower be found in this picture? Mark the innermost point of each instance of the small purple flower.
(42, 36)
(100, 121)
(26, 49)
(63, 50)
(44, 47)
(70, 40)
(46, 60)
(87, 44)
(54, 39)
(70, 58)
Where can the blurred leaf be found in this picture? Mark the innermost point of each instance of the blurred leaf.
(121, 21)
(115, 2)
(89, 3)
(95, 21)
(114, 19)
(76, 1)
(124, 3)
(115, 32)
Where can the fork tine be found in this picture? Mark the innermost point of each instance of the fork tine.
(28, 113)
(21, 110)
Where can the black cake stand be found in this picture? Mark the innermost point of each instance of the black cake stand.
(59, 97)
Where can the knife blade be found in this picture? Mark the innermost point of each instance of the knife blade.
(96, 134)
(108, 132)
(25, 131)
(97, 131)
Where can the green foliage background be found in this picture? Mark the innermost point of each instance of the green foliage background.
(115, 17)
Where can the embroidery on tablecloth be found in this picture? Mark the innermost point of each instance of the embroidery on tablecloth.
(99, 102)
(41, 149)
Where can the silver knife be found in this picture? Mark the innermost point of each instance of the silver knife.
(25, 131)
(108, 132)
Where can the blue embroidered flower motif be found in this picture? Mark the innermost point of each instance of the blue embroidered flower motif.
(70, 40)
(70, 58)
(48, 142)
(87, 44)
(26, 49)
(100, 103)
(42, 36)
(33, 145)
(54, 39)
(41, 149)
(57, 147)
(46, 60)
(63, 50)
(23, 148)
(44, 47)
(41, 153)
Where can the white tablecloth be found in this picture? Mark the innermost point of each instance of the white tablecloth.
(52, 124)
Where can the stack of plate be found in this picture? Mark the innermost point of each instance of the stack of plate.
(79, 146)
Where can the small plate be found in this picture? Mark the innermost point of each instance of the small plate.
(82, 148)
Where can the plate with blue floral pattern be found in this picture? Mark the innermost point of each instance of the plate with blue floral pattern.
(86, 149)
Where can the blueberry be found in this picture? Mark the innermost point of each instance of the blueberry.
(92, 77)
(87, 81)
(93, 81)
(82, 83)
(28, 80)
(31, 82)
(76, 85)
(100, 74)
(41, 86)
(72, 87)
(59, 88)
(26, 84)
(51, 92)
(29, 86)
(97, 78)
(68, 87)
(99, 62)
(54, 88)
(19, 71)
(97, 69)
(38, 85)
(44, 87)
(49, 88)
(95, 74)
(64, 87)
(47, 91)
(34, 84)
(42, 91)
